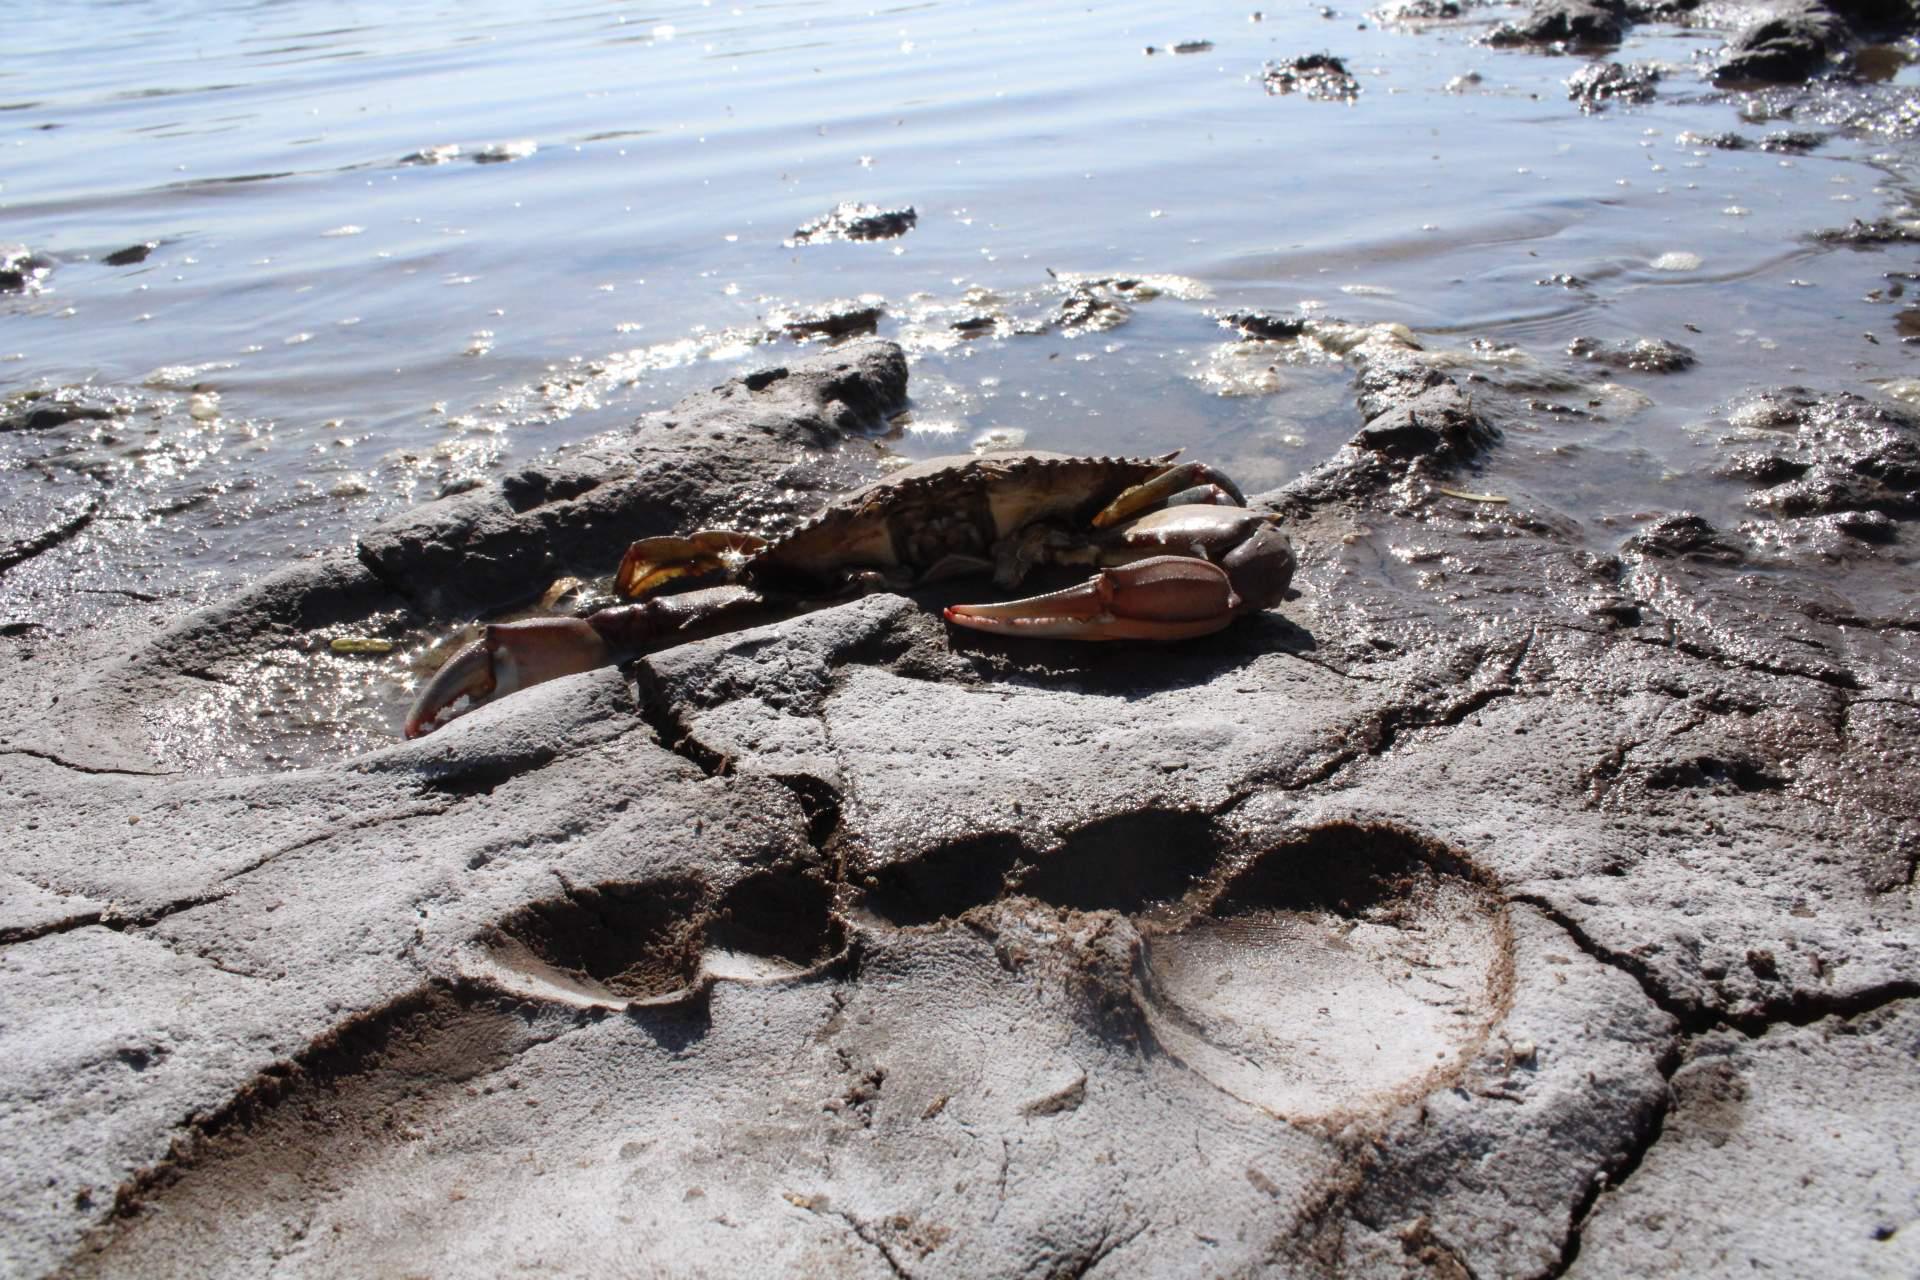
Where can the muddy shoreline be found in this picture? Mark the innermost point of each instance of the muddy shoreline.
(1532, 894)
(1444, 918)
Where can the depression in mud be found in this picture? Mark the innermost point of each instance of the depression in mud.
(1524, 884)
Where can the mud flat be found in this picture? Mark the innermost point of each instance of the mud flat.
(1533, 893)
(1491, 908)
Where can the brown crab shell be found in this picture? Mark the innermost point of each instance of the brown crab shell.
(957, 506)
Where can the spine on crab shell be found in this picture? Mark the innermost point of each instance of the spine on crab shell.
(647, 625)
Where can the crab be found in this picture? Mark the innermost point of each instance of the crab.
(1177, 554)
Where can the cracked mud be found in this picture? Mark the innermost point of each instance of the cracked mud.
(1493, 907)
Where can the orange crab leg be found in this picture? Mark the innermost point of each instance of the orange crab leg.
(1162, 598)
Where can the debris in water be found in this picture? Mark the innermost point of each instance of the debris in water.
(433, 155)
(501, 152)
(131, 254)
(851, 221)
(1319, 76)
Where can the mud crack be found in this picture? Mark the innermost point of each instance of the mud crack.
(1379, 731)
(1617, 1172)
(1836, 678)
(1443, 711)
(865, 1231)
(107, 918)
(1797, 1008)
(656, 710)
(820, 802)
(321, 837)
(1099, 1251)
(28, 933)
(51, 758)
(1838, 618)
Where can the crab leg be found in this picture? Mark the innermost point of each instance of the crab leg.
(1162, 598)
(510, 656)
(1159, 490)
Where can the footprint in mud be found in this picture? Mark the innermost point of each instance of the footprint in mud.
(662, 942)
(1346, 971)
(689, 1050)
(1343, 971)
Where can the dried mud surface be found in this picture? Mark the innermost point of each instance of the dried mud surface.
(1491, 908)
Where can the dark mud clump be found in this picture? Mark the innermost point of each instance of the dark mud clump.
(1319, 76)
(851, 221)
(1418, 11)
(1788, 45)
(1790, 42)
(504, 152)
(132, 254)
(1565, 22)
(978, 325)
(1643, 355)
(43, 410)
(1866, 235)
(1793, 142)
(1416, 413)
(1087, 309)
(1264, 325)
(831, 320)
(1837, 455)
(438, 154)
(1599, 83)
(22, 270)
(1092, 303)
(1685, 535)
(1718, 141)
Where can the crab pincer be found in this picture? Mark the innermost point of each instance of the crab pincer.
(1159, 598)
(507, 657)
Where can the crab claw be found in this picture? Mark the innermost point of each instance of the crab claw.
(1162, 598)
(651, 563)
(507, 657)
(1188, 482)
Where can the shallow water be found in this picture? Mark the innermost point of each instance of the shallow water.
(327, 331)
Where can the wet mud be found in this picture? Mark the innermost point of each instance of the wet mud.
(1531, 892)
(1427, 897)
